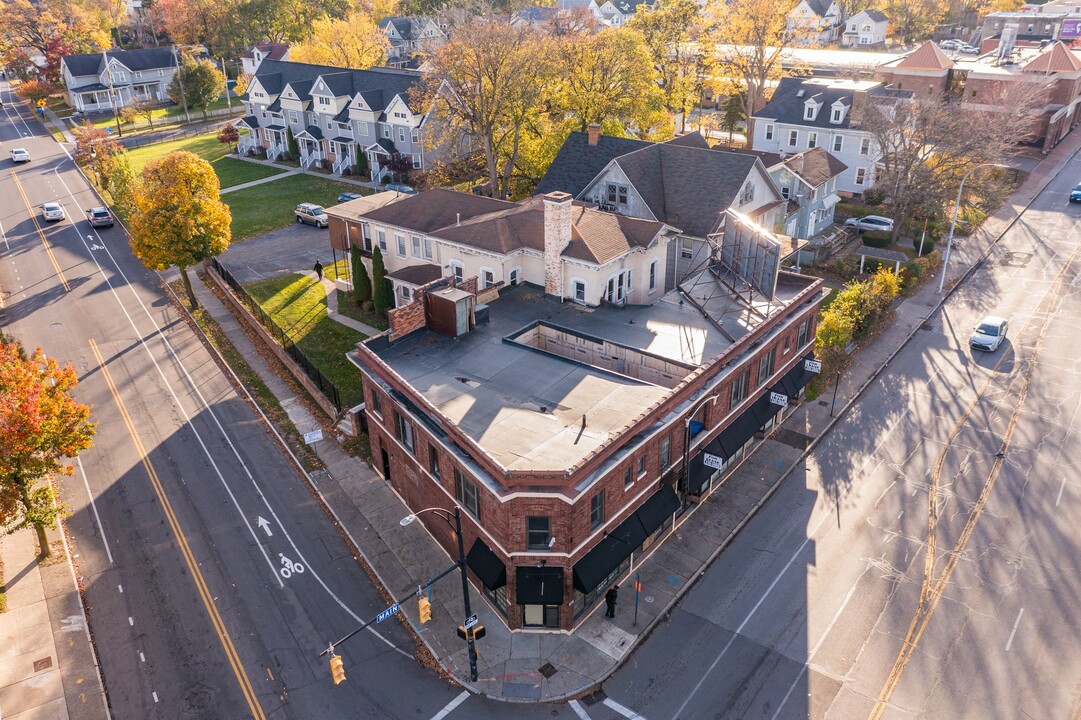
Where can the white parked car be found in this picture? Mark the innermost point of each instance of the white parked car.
(870, 222)
(951, 44)
(19, 155)
(52, 211)
(989, 334)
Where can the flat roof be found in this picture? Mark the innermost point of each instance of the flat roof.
(524, 406)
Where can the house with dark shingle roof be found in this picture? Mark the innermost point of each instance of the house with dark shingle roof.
(260, 51)
(683, 183)
(440, 233)
(92, 81)
(815, 22)
(348, 121)
(866, 29)
(409, 35)
(822, 112)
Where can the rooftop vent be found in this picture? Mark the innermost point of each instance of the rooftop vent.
(801, 92)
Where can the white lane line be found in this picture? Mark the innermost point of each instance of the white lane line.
(818, 645)
(900, 514)
(131, 621)
(579, 710)
(195, 389)
(120, 588)
(1014, 631)
(142, 658)
(155, 696)
(5, 237)
(449, 707)
(1060, 489)
(97, 518)
(625, 712)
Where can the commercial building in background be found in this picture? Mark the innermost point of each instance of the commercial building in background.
(579, 404)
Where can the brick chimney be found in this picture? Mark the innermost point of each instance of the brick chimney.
(594, 134)
(557, 235)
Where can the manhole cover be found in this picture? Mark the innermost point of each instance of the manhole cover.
(823, 403)
(594, 697)
(43, 664)
(547, 670)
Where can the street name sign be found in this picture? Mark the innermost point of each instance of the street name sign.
(387, 613)
(471, 621)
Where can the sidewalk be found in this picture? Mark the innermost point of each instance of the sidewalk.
(48, 669)
(529, 666)
(336, 178)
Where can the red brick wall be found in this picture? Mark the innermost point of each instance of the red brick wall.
(339, 234)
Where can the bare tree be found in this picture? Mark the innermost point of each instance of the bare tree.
(928, 145)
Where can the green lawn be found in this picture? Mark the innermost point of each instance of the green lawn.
(347, 307)
(168, 115)
(299, 305)
(270, 206)
(230, 171)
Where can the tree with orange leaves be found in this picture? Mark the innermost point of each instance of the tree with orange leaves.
(41, 425)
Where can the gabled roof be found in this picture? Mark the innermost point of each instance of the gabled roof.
(275, 106)
(270, 50)
(403, 26)
(814, 166)
(431, 210)
(376, 85)
(786, 105)
(535, 14)
(820, 7)
(145, 59)
(417, 274)
(876, 15)
(1057, 59)
(927, 57)
(687, 187)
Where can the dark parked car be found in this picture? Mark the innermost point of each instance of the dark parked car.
(347, 196)
(402, 188)
(1075, 194)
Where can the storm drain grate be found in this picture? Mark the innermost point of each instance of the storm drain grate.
(43, 664)
(823, 403)
(547, 670)
(594, 697)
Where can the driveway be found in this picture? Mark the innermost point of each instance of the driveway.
(293, 248)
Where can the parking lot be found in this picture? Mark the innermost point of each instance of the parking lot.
(293, 248)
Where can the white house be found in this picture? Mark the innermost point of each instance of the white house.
(92, 82)
(816, 22)
(805, 113)
(260, 51)
(865, 29)
(408, 36)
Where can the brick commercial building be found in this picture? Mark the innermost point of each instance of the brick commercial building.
(573, 430)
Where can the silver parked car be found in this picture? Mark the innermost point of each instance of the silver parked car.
(312, 214)
(989, 334)
(870, 222)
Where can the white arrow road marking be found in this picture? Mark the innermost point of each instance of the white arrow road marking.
(265, 524)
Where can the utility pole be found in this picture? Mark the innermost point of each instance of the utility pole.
(180, 79)
(112, 93)
(228, 98)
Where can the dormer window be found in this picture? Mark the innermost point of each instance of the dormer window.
(810, 110)
(747, 194)
(837, 115)
(324, 101)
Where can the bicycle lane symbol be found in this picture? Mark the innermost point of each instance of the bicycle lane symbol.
(289, 567)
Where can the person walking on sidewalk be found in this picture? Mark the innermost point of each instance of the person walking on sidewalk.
(318, 270)
(610, 601)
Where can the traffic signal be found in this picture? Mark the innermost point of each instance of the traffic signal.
(424, 606)
(337, 668)
(478, 632)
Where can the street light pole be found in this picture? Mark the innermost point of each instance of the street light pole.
(953, 222)
(465, 595)
(687, 446)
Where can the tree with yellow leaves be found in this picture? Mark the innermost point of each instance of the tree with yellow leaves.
(179, 217)
(751, 38)
(351, 42)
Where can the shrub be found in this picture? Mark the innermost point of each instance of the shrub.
(228, 135)
(874, 196)
(877, 238)
(928, 243)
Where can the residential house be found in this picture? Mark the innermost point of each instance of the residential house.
(410, 36)
(805, 113)
(93, 82)
(617, 13)
(573, 432)
(260, 51)
(808, 182)
(347, 120)
(865, 29)
(682, 182)
(816, 22)
(1046, 81)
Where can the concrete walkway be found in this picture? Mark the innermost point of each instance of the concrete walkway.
(331, 289)
(260, 181)
(325, 176)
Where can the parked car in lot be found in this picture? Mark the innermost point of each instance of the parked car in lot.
(969, 50)
(1075, 194)
(402, 188)
(347, 196)
(312, 214)
(99, 217)
(19, 155)
(870, 222)
(989, 334)
(52, 211)
(951, 44)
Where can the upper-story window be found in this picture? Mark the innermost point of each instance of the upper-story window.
(747, 195)
(400, 115)
(386, 131)
(401, 135)
(617, 194)
(465, 492)
(323, 101)
(809, 111)
(414, 136)
(596, 510)
(769, 131)
(294, 117)
(765, 367)
(457, 269)
(838, 143)
(739, 388)
(538, 530)
(138, 73)
(812, 140)
(580, 290)
(837, 115)
(865, 146)
(801, 333)
(404, 431)
(793, 138)
(362, 129)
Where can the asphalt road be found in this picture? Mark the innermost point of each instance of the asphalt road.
(822, 608)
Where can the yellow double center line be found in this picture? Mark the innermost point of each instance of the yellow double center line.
(41, 234)
(931, 594)
(185, 549)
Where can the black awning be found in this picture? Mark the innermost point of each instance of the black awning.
(487, 565)
(612, 550)
(700, 472)
(657, 509)
(795, 379)
(763, 410)
(738, 433)
(538, 586)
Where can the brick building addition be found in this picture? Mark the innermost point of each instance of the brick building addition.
(574, 431)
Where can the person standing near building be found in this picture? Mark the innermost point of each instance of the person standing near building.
(318, 270)
(610, 601)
